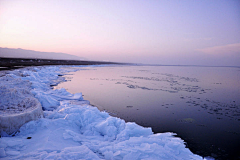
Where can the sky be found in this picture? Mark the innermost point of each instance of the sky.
(178, 32)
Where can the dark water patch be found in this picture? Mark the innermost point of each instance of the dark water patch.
(182, 100)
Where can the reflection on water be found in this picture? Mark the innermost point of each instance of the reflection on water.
(200, 104)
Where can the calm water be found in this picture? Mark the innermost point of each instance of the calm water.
(200, 104)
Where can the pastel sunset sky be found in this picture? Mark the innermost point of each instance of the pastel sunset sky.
(197, 32)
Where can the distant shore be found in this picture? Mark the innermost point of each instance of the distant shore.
(13, 63)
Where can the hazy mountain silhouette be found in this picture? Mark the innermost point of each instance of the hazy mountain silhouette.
(23, 53)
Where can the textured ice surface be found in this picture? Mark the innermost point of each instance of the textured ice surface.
(73, 129)
(17, 104)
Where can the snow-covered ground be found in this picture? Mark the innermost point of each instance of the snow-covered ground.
(70, 128)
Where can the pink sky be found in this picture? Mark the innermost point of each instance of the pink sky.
(160, 32)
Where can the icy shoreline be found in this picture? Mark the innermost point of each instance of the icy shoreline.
(73, 129)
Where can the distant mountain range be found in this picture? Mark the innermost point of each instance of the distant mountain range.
(23, 53)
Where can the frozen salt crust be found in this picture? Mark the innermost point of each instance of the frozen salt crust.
(73, 129)
(17, 104)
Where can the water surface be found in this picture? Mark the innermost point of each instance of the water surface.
(200, 104)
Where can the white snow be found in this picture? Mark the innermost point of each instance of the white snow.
(73, 129)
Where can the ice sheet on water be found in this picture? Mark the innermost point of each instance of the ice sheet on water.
(72, 130)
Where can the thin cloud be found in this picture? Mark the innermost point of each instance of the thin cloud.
(225, 49)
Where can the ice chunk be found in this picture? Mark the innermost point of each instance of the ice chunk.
(12, 122)
(51, 99)
(17, 104)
